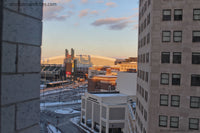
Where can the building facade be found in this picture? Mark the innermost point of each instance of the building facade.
(168, 89)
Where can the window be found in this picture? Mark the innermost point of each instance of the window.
(166, 36)
(195, 80)
(148, 38)
(194, 123)
(147, 57)
(164, 78)
(174, 122)
(196, 14)
(177, 57)
(176, 79)
(175, 101)
(163, 121)
(167, 15)
(145, 115)
(146, 96)
(196, 36)
(194, 102)
(177, 36)
(147, 77)
(163, 100)
(195, 58)
(148, 19)
(178, 13)
(165, 57)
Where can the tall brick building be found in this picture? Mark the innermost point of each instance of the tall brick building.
(168, 90)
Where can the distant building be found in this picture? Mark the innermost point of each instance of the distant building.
(126, 66)
(108, 112)
(100, 83)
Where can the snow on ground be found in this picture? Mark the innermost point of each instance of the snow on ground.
(66, 111)
(53, 91)
(76, 121)
(52, 129)
(59, 103)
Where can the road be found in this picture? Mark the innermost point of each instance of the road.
(62, 121)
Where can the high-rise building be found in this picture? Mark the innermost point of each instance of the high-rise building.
(168, 89)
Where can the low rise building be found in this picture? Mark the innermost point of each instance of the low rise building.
(105, 112)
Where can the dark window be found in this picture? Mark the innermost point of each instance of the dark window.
(166, 36)
(177, 57)
(149, 2)
(148, 38)
(175, 101)
(145, 115)
(167, 15)
(148, 19)
(195, 80)
(146, 96)
(196, 14)
(177, 36)
(178, 14)
(194, 123)
(176, 79)
(165, 57)
(196, 36)
(163, 121)
(174, 122)
(164, 78)
(195, 58)
(147, 77)
(163, 100)
(194, 102)
(147, 57)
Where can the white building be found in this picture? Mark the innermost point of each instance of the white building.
(105, 112)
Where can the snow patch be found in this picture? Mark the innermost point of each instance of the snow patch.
(52, 129)
(66, 111)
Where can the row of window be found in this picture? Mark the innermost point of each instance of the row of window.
(174, 122)
(145, 40)
(139, 122)
(178, 14)
(143, 75)
(145, 23)
(176, 79)
(142, 92)
(165, 57)
(177, 36)
(143, 58)
(175, 101)
(144, 8)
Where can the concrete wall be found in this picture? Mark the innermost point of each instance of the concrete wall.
(126, 83)
(20, 34)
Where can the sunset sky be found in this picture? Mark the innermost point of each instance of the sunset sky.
(97, 27)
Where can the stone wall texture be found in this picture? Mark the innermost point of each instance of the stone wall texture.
(20, 50)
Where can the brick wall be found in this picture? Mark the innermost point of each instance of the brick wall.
(21, 36)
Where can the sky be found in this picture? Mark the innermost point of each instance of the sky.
(92, 27)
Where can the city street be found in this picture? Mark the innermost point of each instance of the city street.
(59, 105)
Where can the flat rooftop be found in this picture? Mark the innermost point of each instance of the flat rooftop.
(109, 94)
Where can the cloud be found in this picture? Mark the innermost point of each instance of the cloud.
(120, 26)
(95, 12)
(53, 13)
(99, 1)
(111, 4)
(107, 21)
(84, 1)
(83, 13)
(114, 23)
